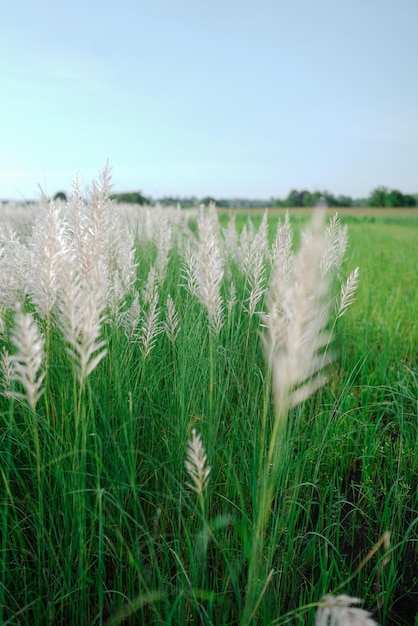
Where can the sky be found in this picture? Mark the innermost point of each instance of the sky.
(228, 98)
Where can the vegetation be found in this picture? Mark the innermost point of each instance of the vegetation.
(132, 197)
(383, 197)
(380, 197)
(61, 195)
(197, 426)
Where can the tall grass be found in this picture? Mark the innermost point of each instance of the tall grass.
(184, 441)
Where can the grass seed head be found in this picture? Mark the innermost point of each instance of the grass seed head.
(336, 611)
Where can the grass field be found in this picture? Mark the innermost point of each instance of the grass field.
(102, 522)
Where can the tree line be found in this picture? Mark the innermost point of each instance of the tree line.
(379, 197)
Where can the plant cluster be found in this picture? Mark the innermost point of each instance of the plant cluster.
(169, 452)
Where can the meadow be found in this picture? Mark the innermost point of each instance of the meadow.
(207, 417)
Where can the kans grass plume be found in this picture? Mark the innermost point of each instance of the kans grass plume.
(296, 322)
(196, 466)
(337, 611)
(296, 341)
(205, 269)
(25, 365)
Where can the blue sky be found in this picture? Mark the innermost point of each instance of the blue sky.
(228, 97)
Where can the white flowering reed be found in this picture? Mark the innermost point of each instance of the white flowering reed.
(25, 366)
(348, 292)
(209, 270)
(294, 340)
(188, 272)
(130, 319)
(254, 266)
(335, 245)
(337, 611)
(81, 315)
(47, 248)
(295, 323)
(14, 262)
(150, 326)
(231, 242)
(281, 252)
(6, 371)
(171, 323)
(163, 242)
(196, 466)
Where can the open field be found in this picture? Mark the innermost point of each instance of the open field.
(137, 346)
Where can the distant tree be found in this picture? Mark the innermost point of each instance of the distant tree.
(397, 199)
(394, 198)
(207, 200)
(60, 195)
(295, 198)
(307, 199)
(410, 200)
(132, 197)
(378, 197)
(383, 197)
(345, 201)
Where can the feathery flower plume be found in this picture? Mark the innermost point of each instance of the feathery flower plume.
(2, 322)
(230, 235)
(129, 319)
(27, 361)
(254, 266)
(297, 312)
(348, 292)
(81, 317)
(163, 242)
(335, 245)
(196, 466)
(209, 269)
(282, 252)
(47, 247)
(151, 327)
(171, 324)
(336, 611)
(188, 273)
(6, 370)
(14, 261)
(150, 287)
(232, 298)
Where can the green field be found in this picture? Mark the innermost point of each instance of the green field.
(102, 523)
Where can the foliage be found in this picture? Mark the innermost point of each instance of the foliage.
(61, 195)
(306, 198)
(384, 197)
(131, 197)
